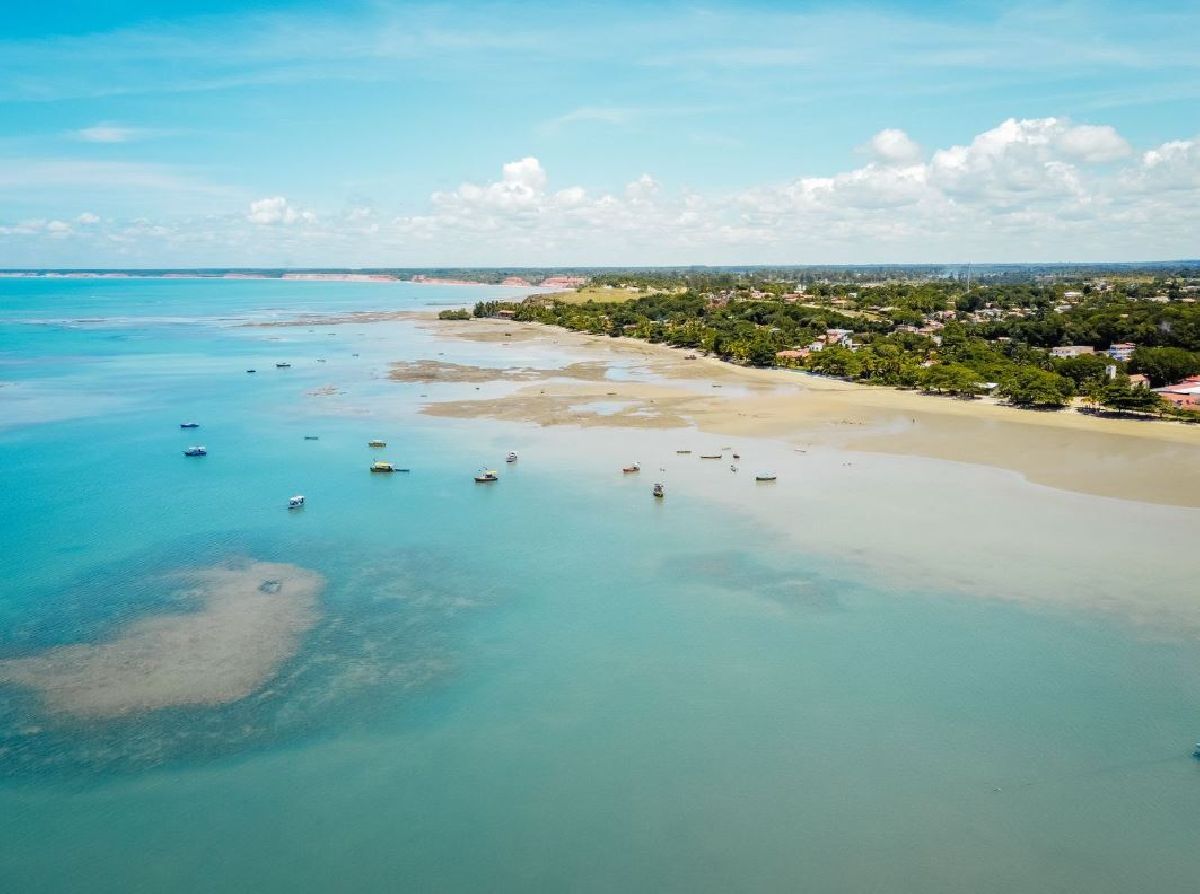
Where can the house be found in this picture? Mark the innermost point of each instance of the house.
(506, 314)
(1072, 350)
(791, 356)
(839, 337)
(1137, 380)
(1121, 351)
(1072, 294)
(1182, 394)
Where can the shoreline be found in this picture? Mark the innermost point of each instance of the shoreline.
(1119, 458)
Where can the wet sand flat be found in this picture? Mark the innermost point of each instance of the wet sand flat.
(1125, 458)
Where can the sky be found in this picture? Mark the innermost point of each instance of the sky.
(388, 134)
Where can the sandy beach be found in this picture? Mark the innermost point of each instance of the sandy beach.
(1149, 461)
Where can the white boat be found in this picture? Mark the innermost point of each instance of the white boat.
(296, 502)
(196, 451)
(512, 457)
(658, 491)
(486, 475)
(765, 476)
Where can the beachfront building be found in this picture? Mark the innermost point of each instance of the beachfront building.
(1072, 350)
(1182, 394)
(1122, 351)
(791, 358)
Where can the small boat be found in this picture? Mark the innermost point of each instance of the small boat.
(737, 456)
(296, 502)
(382, 467)
(765, 476)
(312, 437)
(633, 467)
(512, 457)
(732, 467)
(252, 370)
(710, 456)
(284, 365)
(189, 425)
(376, 443)
(196, 451)
(1196, 751)
(658, 491)
(683, 451)
(320, 360)
(486, 475)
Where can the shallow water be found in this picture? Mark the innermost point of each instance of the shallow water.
(555, 681)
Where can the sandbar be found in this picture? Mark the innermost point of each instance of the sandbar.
(248, 620)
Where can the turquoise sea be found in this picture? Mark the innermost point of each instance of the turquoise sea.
(551, 683)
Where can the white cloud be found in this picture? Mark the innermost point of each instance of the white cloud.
(1093, 143)
(108, 133)
(894, 146)
(1027, 189)
(277, 210)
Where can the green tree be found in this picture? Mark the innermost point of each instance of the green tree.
(951, 378)
(1119, 395)
(1165, 365)
(1028, 386)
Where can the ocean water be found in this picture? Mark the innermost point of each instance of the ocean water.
(556, 682)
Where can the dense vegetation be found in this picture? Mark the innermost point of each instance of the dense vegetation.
(993, 338)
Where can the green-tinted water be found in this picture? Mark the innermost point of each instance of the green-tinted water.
(549, 683)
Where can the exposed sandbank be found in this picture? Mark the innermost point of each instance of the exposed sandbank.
(429, 371)
(248, 621)
(1149, 461)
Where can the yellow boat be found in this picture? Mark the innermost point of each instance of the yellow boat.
(376, 443)
(382, 467)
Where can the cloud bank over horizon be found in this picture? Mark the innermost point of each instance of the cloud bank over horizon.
(386, 133)
(1025, 190)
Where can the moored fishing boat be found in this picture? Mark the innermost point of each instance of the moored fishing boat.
(765, 476)
(485, 476)
(710, 456)
(312, 437)
(659, 491)
(196, 451)
(376, 443)
(189, 425)
(382, 467)
(283, 365)
(632, 467)
(511, 457)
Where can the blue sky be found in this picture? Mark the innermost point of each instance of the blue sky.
(221, 133)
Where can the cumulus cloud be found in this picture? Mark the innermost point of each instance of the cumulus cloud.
(894, 146)
(277, 210)
(1026, 189)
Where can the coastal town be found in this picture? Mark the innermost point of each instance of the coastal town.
(1122, 345)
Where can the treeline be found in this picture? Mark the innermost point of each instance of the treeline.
(966, 359)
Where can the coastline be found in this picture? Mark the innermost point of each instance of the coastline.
(1119, 458)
